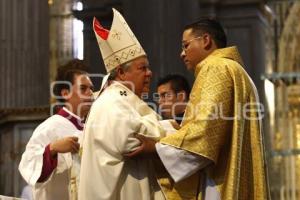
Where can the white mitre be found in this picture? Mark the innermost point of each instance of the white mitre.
(117, 45)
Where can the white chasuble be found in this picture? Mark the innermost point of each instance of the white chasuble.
(116, 117)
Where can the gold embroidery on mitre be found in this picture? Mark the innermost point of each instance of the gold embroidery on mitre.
(120, 46)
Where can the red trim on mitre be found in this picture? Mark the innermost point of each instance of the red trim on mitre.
(102, 32)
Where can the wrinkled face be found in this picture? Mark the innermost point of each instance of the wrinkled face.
(170, 103)
(192, 49)
(138, 75)
(80, 96)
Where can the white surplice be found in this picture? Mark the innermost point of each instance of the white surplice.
(57, 185)
(114, 120)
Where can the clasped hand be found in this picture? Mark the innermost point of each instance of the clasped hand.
(65, 145)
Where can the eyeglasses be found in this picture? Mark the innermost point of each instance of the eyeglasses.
(186, 44)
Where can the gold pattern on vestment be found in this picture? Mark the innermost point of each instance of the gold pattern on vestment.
(220, 124)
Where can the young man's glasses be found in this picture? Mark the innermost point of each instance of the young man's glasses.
(186, 44)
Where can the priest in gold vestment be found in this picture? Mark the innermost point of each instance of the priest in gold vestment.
(218, 152)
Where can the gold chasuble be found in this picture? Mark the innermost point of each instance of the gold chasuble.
(221, 123)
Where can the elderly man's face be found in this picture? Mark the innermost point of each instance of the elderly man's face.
(138, 75)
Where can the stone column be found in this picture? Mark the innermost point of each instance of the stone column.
(24, 82)
(24, 48)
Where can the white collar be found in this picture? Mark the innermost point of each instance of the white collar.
(72, 114)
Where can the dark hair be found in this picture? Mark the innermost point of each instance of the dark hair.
(67, 73)
(212, 27)
(178, 83)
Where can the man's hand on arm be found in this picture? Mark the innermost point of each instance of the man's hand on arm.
(64, 145)
(147, 147)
